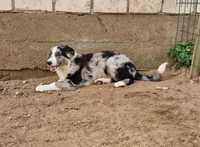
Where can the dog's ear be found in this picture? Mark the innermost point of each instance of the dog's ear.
(67, 51)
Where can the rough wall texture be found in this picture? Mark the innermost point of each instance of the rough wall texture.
(82, 6)
(110, 6)
(145, 6)
(5, 5)
(33, 5)
(170, 6)
(26, 38)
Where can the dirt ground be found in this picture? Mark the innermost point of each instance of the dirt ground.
(101, 116)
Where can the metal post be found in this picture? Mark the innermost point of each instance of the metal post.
(195, 67)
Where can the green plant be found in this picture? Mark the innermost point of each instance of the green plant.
(181, 54)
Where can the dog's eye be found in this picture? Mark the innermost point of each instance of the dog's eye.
(57, 54)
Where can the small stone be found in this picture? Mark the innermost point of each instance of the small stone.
(4, 91)
(24, 82)
(10, 118)
(162, 88)
(27, 115)
(1, 88)
(19, 93)
(192, 82)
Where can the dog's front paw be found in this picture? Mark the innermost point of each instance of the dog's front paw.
(49, 87)
(40, 88)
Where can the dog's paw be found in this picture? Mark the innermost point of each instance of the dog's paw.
(119, 84)
(49, 87)
(40, 88)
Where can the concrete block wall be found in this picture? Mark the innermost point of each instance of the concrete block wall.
(25, 39)
(82, 6)
(110, 6)
(92, 6)
(5, 5)
(170, 6)
(33, 5)
(145, 6)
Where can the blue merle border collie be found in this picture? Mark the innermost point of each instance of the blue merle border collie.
(77, 70)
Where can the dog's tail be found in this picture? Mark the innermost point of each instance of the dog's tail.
(156, 76)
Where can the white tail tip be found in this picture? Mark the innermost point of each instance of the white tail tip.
(162, 68)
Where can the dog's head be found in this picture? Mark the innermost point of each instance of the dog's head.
(60, 55)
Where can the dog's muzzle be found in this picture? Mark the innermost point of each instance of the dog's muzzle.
(51, 67)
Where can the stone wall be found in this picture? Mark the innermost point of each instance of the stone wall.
(25, 38)
(91, 6)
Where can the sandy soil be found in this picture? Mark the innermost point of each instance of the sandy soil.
(101, 116)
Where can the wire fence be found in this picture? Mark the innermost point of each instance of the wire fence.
(188, 17)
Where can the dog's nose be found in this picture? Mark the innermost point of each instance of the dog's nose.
(49, 62)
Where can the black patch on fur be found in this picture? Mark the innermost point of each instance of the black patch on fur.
(90, 76)
(88, 68)
(76, 77)
(58, 54)
(66, 51)
(77, 60)
(107, 54)
(106, 70)
(130, 66)
(124, 72)
(82, 61)
(138, 76)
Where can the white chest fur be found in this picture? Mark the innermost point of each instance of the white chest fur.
(62, 72)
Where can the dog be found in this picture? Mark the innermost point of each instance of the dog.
(76, 70)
